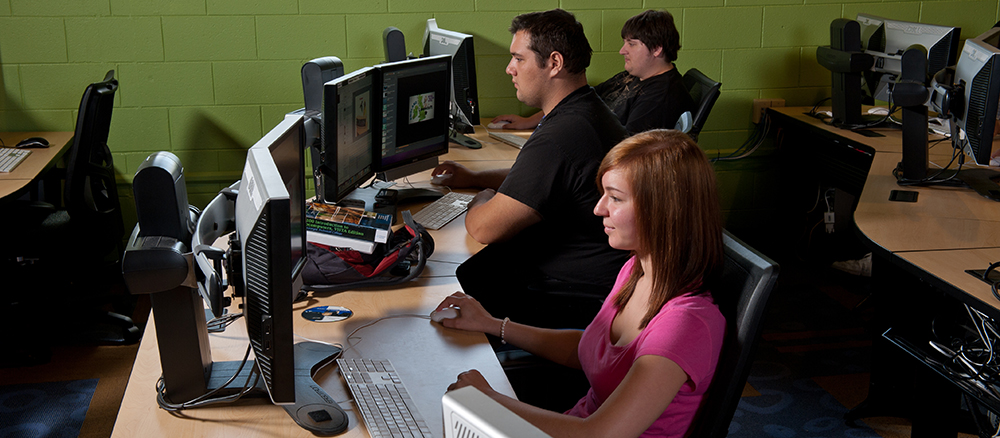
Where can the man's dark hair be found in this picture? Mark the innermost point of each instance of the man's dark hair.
(654, 29)
(555, 31)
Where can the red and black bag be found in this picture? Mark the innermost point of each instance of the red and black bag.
(399, 260)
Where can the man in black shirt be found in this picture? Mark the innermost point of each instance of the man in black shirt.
(537, 216)
(650, 93)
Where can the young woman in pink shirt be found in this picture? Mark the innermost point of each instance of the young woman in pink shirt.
(651, 352)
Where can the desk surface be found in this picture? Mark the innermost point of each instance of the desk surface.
(948, 229)
(427, 356)
(39, 160)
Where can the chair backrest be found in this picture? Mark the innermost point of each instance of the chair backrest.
(749, 277)
(91, 193)
(704, 91)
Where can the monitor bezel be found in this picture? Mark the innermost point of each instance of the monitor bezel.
(430, 152)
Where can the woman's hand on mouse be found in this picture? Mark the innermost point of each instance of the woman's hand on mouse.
(473, 316)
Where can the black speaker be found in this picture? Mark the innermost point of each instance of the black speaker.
(394, 43)
(315, 73)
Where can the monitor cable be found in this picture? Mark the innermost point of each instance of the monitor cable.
(220, 323)
(208, 398)
(754, 142)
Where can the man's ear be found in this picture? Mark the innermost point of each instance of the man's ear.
(556, 63)
(658, 52)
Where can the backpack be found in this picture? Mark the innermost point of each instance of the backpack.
(401, 259)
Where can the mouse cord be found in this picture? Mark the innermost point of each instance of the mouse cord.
(368, 324)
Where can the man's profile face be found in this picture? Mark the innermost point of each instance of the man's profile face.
(640, 61)
(528, 77)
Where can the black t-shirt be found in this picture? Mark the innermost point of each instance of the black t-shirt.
(555, 174)
(656, 102)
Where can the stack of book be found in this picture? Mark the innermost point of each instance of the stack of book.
(346, 227)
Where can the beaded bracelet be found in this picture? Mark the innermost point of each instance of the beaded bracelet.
(503, 325)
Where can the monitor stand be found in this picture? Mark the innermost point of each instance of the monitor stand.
(387, 200)
(982, 181)
(464, 140)
(184, 346)
(314, 409)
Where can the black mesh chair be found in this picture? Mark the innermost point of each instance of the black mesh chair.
(704, 91)
(749, 276)
(66, 251)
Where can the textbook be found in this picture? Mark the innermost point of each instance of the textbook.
(332, 240)
(352, 223)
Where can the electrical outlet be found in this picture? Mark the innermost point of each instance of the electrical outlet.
(829, 218)
(760, 105)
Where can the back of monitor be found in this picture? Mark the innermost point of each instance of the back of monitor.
(468, 413)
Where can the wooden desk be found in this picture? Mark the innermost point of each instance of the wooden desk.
(428, 356)
(40, 160)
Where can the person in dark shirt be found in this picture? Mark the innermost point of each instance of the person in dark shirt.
(535, 217)
(650, 93)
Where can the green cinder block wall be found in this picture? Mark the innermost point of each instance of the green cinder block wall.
(205, 79)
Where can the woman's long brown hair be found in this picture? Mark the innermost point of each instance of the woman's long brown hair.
(677, 213)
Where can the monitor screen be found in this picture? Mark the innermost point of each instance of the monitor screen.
(270, 208)
(460, 47)
(347, 134)
(414, 114)
(978, 73)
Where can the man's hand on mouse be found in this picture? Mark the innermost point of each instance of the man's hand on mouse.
(452, 174)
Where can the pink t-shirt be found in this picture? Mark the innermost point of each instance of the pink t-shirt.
(688, 330)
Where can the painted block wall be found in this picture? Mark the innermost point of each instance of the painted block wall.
(205, 79)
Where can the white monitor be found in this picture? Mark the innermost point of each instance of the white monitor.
(468, 413)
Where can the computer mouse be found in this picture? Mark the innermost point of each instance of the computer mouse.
(33, 142)
(446, 313)
(497, 125)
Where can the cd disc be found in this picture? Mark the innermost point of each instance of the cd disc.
(327, 313)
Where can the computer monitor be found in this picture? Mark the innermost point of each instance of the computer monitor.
(346, 158)
(270, 211)
(978, 76)
(270, 228)
(468, 412)
(267, 251)
(969, 93)
(887, 39)
(412, 118)
(464, 97)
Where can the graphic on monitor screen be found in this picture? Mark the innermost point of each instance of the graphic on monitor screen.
(421, 108)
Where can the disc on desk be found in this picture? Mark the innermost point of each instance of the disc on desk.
(327, 313)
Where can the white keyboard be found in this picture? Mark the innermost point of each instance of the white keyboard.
(511, 139)
(382, 399)
(438, 213)
(11, 157)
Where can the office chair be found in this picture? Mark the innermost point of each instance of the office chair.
(68, 253)
(704, 91)
(749, 277)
